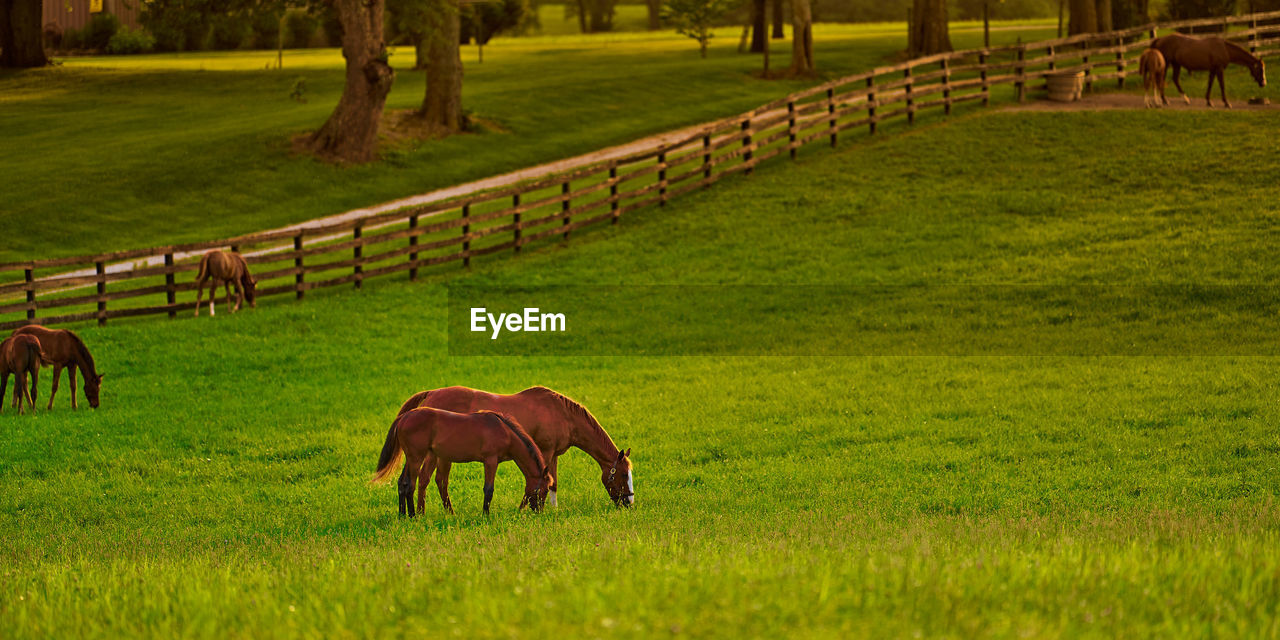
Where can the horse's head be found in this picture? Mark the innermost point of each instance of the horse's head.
(617, 480)
(1259, 72)
(250, 287)
(92, 384)
(535, 490)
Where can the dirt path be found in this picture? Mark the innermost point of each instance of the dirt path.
(1114, 101)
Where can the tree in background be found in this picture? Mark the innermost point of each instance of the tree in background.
(21, 34)
(1103, 9)
(442, 105)
(694, 18)
(351, 132)
(802, 63)
(481, 22)
(1130, 13)
(655, 14)
(779, 19)
(594, 16)
(1187, 9)
(759, 25)
(929, 34)
(1084, 17)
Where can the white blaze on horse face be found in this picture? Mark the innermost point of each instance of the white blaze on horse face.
(551, 498)
(631, 499)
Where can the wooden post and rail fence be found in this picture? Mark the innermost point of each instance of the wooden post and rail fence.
(293, 261)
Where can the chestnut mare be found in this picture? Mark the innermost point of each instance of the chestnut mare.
(66, 349)
(20, 355)
(231, 269)
(1151, 66)
(1211, 54)
(553, 421)
(426, 436)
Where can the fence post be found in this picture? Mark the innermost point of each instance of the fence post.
(1053, 64)
(946, 85)
(871, 102)
(1120, 63)
(299, 277)
(982, 75)
(1088, 71)
(662, 178)
(1253, 33)
(791, 127)
(466, 229)
(413, 242)
(29, 276)
(101, 269)
(613, 191)
(831, 113)
(746, 143)
(1021, 82)
(564, 206)
(170, 294)
(911, 103)
(706, 159)
(357, 252)
(515, 219)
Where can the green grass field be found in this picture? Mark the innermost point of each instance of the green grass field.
(131, 152)
(220, 490)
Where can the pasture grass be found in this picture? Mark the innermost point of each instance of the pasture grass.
(122, 152)
(220, 490)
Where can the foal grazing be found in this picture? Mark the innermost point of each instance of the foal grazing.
(20, 355)
(66, 349)
(230, 269)
(1151, 65)
(425, 436)
(1211, 54)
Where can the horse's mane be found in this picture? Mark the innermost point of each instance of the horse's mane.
(1239, 48)
(84, 353)
(573, 408)
(522, 435)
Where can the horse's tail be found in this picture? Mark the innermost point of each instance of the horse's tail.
(391, 454)
(37, 353)
(204, 269)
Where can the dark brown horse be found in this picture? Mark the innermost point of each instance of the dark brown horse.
(553, 421)
(21, 355)
(230, 269)
(426, 436)
(1211, 54)
(66, 349)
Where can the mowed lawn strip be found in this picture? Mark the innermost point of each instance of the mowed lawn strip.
(221, 488)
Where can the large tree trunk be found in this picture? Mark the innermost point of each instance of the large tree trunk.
(655, 14)
(1084, 17)
(802, 39)
(442, 106)
(21, 34)
(601, 16)
(582, 15)
(419, 51)
(1103, 9)
(929, 34)
(351, 133)
(779, 19)
(759, 26)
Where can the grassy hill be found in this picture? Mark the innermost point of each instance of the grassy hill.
(220, 490)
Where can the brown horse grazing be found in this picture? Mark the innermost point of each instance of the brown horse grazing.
(1211, 54)
(20, 355)
(1151, 65)
(553, 421)
(66, 349)
(231, 269)
(426, 436)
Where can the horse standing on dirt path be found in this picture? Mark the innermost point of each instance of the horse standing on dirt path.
(1151, 65)
(66, 349)
(1211, 54)
(426, 436)
(555, 423)
(231, 269)
(20, 355)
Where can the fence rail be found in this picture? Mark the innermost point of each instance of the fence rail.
(294, 261)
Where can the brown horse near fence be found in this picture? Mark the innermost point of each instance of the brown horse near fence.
(21, 355)
(426, 436)
(231, 269)
(1151, 66)
(1211, 54)
(66, 349)
(553, 421)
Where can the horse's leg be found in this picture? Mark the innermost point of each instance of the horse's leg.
(71, 379)
(33, 391)
(552, 462)
(424, 477)
(57, 372)
(213, 294)
(442, 485)
(199, 291)
(226, 286)
(1177, 70)
(412, 465)
(239, 295)
(4, 382)
(405, 489)
(20, 390)
(1222, 75)
(490, 472)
